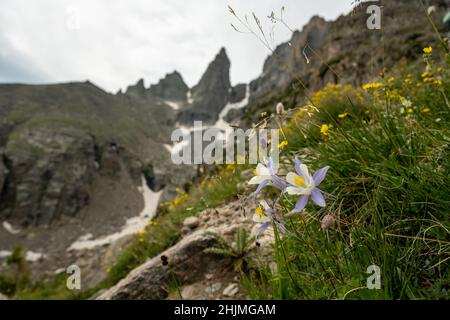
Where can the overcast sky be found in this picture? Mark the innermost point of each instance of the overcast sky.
(113, 43)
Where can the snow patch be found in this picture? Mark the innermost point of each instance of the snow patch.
(189, 98)
(221, 123)
(8, 227)
(174, 105)
(29, 256)
(34, 256)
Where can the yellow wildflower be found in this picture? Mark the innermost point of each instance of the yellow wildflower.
(391, 79)
(282, 144)
(428, 50)
(438, 82)
(342, 115)
(141, 232)
(426, 110)
(410, 110)
(324, 129)
(372, 85)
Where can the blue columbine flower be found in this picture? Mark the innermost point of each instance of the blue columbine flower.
(266, 175)
(265, 216)
(303, 184)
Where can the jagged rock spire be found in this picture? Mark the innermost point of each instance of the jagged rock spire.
(211, 93)
(171, 87)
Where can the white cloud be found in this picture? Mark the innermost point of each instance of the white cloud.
(120, 41)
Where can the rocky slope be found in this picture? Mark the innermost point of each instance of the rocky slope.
(214, 275)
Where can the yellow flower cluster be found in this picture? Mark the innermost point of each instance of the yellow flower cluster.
(283, 144)
(329, 91)
(180, 198)
(408, 79)
(374, 85)
(429, 77)
(393, 94)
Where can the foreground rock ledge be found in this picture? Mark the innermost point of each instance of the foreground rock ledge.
(186, 264)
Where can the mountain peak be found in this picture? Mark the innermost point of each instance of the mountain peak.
(216, 75)
(211, 93)
(222, 52)
(171, 87)
(138, 89)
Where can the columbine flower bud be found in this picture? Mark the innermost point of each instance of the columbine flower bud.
(327, 221)
(280, 108)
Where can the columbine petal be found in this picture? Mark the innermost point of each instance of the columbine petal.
(271, 166)
(290, 177)
(304, 171)
(317, 197)
(264, 204)
(293, 190)
(258, 179)
(301, 203)
(262, 170)
(260, 218)
(278, 182)
(260, 187)
(263, 227)
(319, 175)
(297, 166)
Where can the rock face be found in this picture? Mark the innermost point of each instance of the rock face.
(237, 93)
(172, 88)
(211, 94)
(288, 60)
(50, 174)
(152, 279)
(3, 176)
(58, 136)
